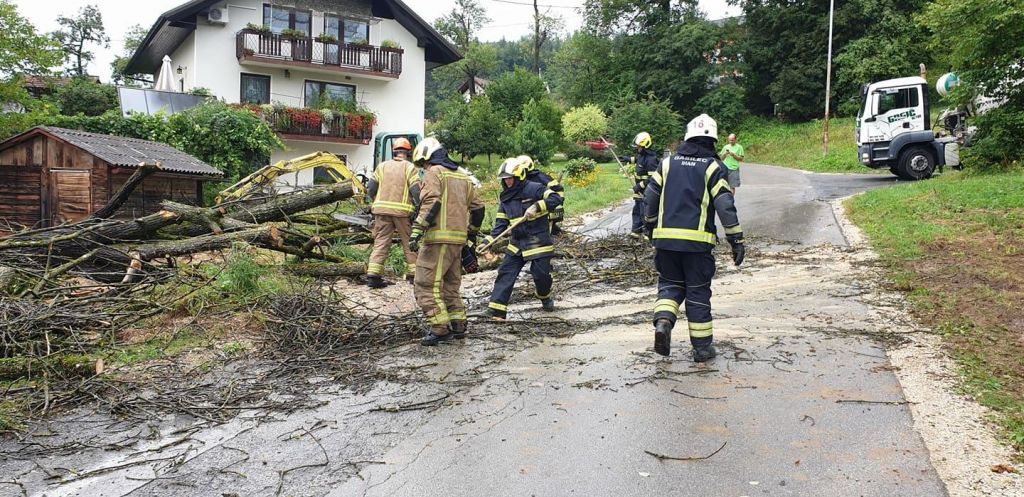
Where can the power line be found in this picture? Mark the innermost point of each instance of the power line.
(530, 4)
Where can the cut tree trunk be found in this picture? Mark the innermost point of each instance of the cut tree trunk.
(122, 195)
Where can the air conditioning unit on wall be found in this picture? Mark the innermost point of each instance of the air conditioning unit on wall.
(218, 15)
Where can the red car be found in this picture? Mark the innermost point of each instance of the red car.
(599, 145)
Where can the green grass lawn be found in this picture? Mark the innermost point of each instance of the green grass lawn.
(800, 145)
(606, 188)
(956, 244)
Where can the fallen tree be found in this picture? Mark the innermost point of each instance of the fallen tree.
(112, 251)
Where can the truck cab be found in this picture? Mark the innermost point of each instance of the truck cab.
(894, 132)
(384, 140)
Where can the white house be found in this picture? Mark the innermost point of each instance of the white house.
(295, 53)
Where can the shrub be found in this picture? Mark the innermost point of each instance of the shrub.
(512, 91)
(651, 115)
(999, 143)
(390, 44)
(85, 97)
(579, 168)
(584, 123)
(530, 137)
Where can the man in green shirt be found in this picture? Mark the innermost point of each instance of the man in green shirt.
(732, 154)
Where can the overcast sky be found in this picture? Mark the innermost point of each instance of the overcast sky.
(510, 19)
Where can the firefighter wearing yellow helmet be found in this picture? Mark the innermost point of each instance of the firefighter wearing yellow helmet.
(450, 214)
(395, 191)
(644, 163)
(533, 173)
(524, 207)
(685, 192)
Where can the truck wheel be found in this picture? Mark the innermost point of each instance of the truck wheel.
(916, 163)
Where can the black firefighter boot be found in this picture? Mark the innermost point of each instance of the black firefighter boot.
(663, 337)
(547, 304)
(703, 350)
(458, 329)
(375, 281)
(433, 338)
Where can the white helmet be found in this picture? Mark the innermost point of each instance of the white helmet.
(702, 125)
(512, 168)
(425, 149)
(643, 140)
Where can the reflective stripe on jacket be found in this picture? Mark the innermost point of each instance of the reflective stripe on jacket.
(397, 187)
(682, 197)
(453, 195)
(531, 239)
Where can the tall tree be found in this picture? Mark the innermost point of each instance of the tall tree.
(132, 41)
(77, 33)
(587, 69)
(461, 24)
(544, 27)
(986, 50)
(22, 49)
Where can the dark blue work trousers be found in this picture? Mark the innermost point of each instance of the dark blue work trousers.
(509, 270)
(686, 277)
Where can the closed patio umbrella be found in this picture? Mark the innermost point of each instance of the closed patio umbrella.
(165, 82)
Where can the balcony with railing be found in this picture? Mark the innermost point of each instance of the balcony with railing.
(314, 125)
(270, 49)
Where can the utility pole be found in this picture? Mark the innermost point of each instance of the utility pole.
(536, 38)
(828, 74)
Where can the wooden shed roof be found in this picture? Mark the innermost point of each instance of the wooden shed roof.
(121, 151)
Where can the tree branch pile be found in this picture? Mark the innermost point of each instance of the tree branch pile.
(66, 287)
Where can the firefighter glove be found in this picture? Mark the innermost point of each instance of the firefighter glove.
(638, 188)
(486, 241)
(533, 212)
(738, 250)
(414, 240)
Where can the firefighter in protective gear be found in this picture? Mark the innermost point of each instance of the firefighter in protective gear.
(395, 191)
(530, 241)
(645, 162)
(533, 173)
(684, 194)
(450, 212)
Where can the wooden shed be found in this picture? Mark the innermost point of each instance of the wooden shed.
(50, 175)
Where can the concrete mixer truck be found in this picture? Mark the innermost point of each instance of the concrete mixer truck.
(894, 130)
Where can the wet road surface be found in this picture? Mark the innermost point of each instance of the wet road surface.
(801, 401)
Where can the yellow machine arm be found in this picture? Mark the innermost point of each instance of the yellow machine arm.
(265, 177)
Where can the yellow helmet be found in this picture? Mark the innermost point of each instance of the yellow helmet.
(643, 140)
(512, 168)
(527, 162)
(425, 149)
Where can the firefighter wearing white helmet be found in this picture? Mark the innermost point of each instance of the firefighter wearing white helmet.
(528, 203)
(644, 163)
(682, 198)
(449, 217)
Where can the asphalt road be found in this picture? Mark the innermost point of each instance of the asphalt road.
(802, 400)
(784, 206)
